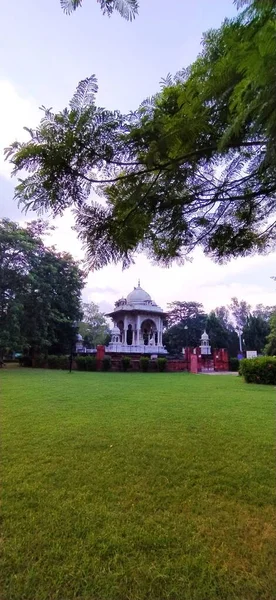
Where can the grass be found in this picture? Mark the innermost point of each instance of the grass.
(136, 487)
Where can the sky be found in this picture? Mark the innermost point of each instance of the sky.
(46, 53)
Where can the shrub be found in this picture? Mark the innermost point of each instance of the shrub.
(106, 365)
(125, 363)
(259, 370)
(39, 361)
(81, 363)
(25, 361)
(234, 364)
(58, 362)
(144, 363)
(91, 363)
(162, 364)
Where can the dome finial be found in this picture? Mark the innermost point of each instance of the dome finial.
(139, 282)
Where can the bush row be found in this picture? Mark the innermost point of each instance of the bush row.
(234, 364)
(259, 370)
(89, 363)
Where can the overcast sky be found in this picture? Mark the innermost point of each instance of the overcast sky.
(44, 55)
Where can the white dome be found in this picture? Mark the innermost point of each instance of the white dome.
(138, 295)
(115, 331)
(205, 336)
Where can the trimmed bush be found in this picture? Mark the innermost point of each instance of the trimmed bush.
(144, 363)
(39, 362)
(25, 361)
(91, 363)
(162, 364)
(58, 362)
(234, 364)
(106, 365)
(81, 363)
(125, 363)
(259, 370)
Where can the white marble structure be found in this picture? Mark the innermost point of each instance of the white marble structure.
(138, 325)
(205, 347)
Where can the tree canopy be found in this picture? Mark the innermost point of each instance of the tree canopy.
(194, 166)
(93, 327)
(128, 9)
(40, 291)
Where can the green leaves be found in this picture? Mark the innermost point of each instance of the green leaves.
(195, 165)
(39, 290)
(128, 9)
(84, 95)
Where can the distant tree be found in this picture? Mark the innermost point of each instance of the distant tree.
(183, 312)
(94, 327)
(255, 332)
(218, 333)
(270, 347)
(128, 9)
(223, 315)
(263, 311)
(186, 322)
(240, 311)
(39, 291)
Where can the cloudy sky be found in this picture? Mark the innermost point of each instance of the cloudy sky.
(44, 55)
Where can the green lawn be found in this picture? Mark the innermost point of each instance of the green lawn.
(136, 487)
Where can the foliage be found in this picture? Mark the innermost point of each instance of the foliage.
(218, 333)
(234, 364)
(162, 364)
(86, 363)
(144, 363)
(170, 475)
(40, 291)
(270, 347)
(81, 363)
(93, 327)
(240, 311)
(186, 321)
(58, 362)
(106, 363)
(193, 166)
(91, 363)
(125, 363)
(25, 360)
(259, 370)
(128, 9)
(255, 332)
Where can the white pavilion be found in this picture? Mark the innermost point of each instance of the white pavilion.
(138, 325)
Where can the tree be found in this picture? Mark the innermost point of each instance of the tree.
(39, 291)
(270, 347)
(240, 311)
(128, 9)
(94, 327)
(255, 332)
(186, 322)
(218, 333)
(194, 165)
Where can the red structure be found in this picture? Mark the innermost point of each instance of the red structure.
(192, 361)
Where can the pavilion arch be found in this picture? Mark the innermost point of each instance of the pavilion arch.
(149, 329)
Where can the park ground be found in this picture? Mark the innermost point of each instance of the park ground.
(120, 486)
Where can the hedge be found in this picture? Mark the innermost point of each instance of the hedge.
(58, 362)
(162, 364)
(144, 363)
(259, 370)
(234, 364)
(125, 363)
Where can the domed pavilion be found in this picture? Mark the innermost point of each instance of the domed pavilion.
(138, 325)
